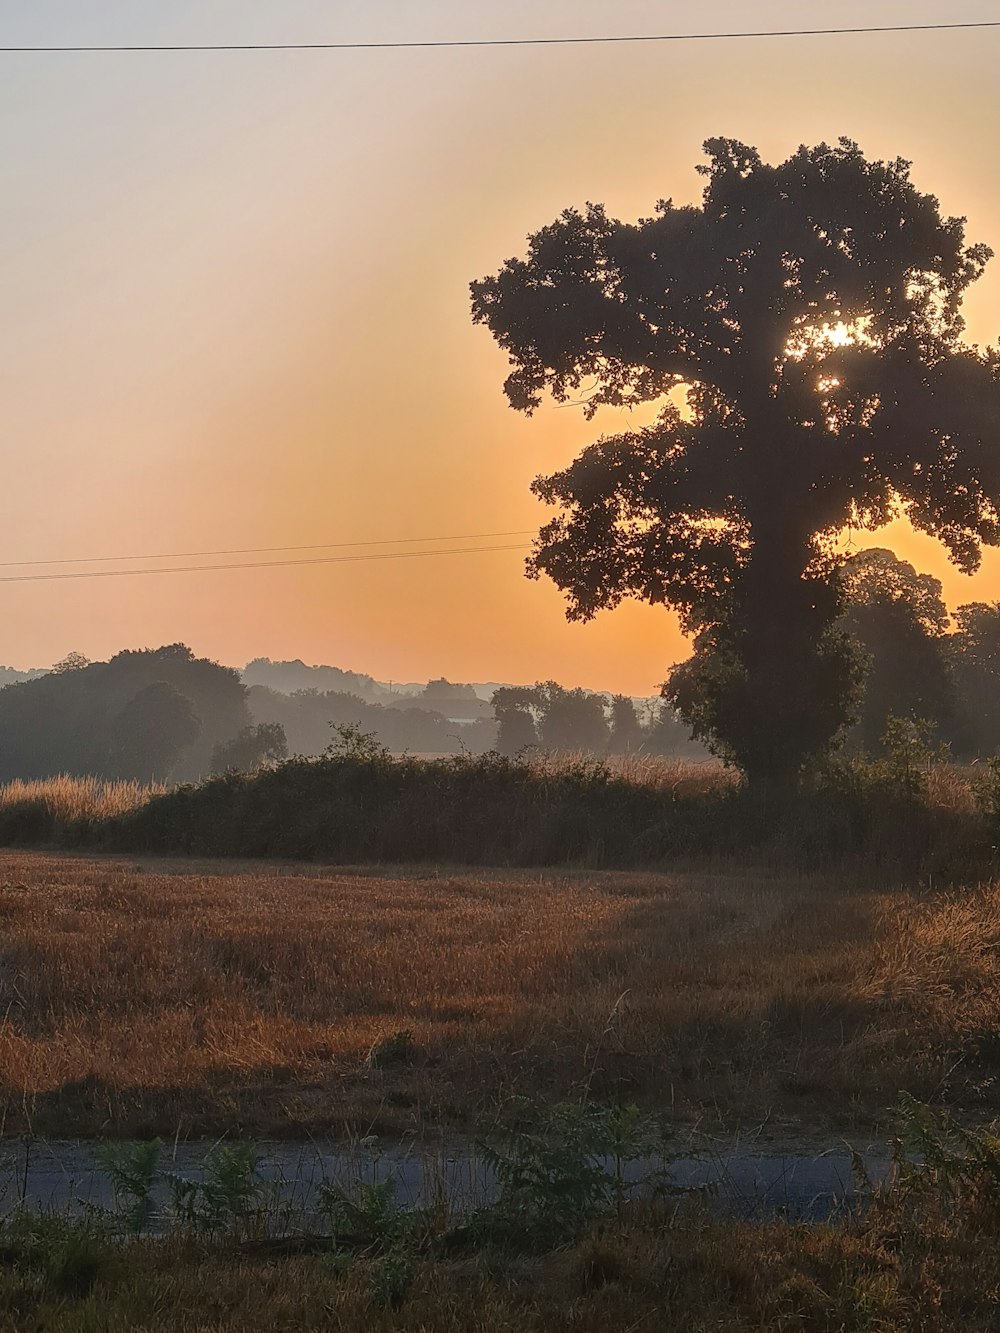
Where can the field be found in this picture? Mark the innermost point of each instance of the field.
(195, 997)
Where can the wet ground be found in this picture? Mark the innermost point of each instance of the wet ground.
(72, 1177)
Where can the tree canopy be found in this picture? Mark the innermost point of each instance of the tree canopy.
(899, 620)
(106, 719)
(806, 320)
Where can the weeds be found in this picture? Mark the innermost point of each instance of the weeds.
(393, 1049)
(64, 810)
(552, 1169)
(227, 1201)
(921, 1257)
(132, 1169)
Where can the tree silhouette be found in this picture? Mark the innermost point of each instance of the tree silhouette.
(626, 730)
(512, 708)
(570, 719)
(150, 732)
(975, 648)
(811, 312)
(69, 720)
(899, 620)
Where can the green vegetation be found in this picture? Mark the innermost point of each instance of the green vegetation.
(558, 1250)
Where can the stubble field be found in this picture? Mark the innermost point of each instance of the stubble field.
(191, 997)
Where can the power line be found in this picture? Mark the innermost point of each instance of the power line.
(257, 564)
(465, 42)
(263, 550)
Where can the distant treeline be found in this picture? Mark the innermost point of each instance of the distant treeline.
(148, 715)
(444, 720)
(165, 715)
(168, 716)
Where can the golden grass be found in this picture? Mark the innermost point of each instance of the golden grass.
(203, 996)
(659, 772)
(68, 798)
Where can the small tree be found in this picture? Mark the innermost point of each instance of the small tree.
(71, 662)
(810, 316)
(253, 748)
(516, 730)
(626, 729)
(571, 719)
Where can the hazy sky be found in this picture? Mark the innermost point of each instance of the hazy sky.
(235, 310)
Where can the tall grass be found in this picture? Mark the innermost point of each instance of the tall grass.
(65, 809)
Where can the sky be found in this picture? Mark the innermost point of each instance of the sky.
(235, 306)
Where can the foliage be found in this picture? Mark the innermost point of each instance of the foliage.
(357, 803)
(552, 716)
(517, 730)
(227, 1200)
(417, 724)
(250, 749)
(369, 1219)
(937, 1156)
(899, 621)
(132, 1169)
(392, 1049)
(122, 718)
(810, 313)
(626, 731)
(561, 1168)
(68, 1256)
(975, 650)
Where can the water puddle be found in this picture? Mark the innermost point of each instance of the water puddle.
(68, 1176)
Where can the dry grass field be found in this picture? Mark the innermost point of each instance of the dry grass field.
(195, 997)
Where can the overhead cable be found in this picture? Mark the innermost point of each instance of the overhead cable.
(262, 550)
(255, 564)
(126, 48)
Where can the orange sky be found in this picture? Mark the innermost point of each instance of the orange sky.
(235, 300)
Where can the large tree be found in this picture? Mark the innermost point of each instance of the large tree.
(809, 313)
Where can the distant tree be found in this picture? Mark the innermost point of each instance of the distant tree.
(810, 312)
(289, 677)
(570, 719)
(254, 747)
(668, 735)
(151, 731)
(626, 729)
(444, 690)
(512, 708)
(899, 620)
(975, 649)
(71, 662)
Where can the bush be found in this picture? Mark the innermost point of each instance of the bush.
(904, 814)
